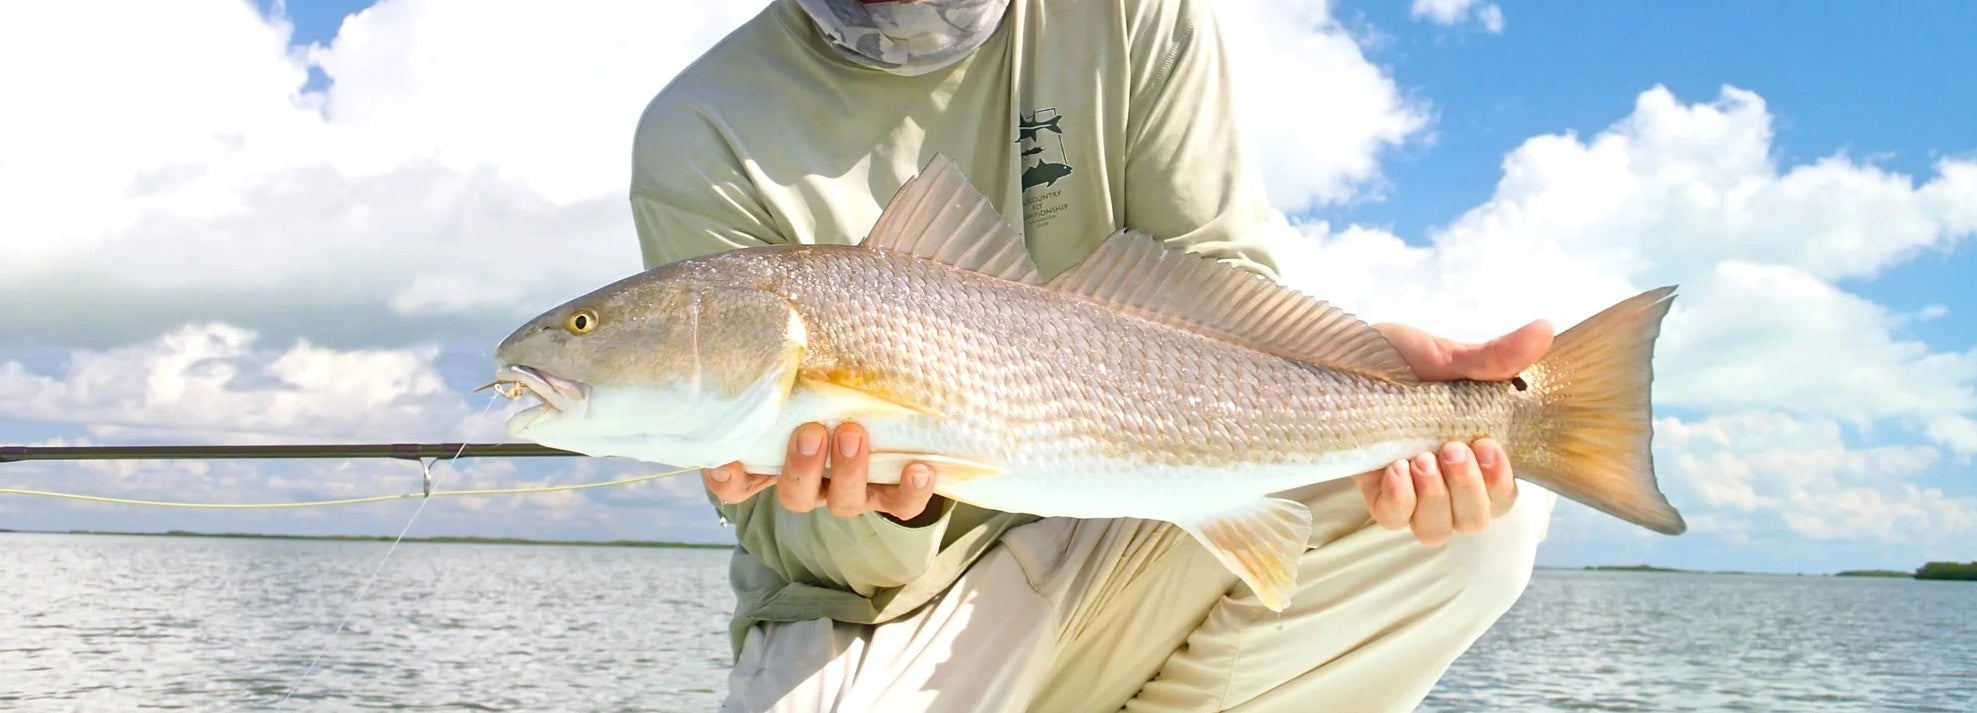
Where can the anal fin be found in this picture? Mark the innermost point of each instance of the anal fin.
(1261, 543)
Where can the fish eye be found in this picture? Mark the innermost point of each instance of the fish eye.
(581, 321)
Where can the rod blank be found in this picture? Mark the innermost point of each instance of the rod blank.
(402, 451)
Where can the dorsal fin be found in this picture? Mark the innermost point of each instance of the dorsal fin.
(1134, 272)
(940, 216)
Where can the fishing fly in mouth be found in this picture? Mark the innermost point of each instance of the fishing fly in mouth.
(513, 381)
(510, 390)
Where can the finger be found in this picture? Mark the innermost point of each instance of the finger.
(849, 462)
(1369, 488)
(1431, 519)
(1498, 479)
(800, 487)
(1469, 502)
(1505, 356)
(1392, 501)
(731, 485)
(909, 498)
(1429, 357)
(1398, 498)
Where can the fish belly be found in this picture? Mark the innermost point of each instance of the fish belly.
(1182, 494)
(1062, 478)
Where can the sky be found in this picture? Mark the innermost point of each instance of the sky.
(230, 222)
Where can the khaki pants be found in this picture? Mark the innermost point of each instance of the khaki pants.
(1107, 615)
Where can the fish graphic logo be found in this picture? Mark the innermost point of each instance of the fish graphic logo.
(1042, 141)
(1026, 130)
(1044, 173)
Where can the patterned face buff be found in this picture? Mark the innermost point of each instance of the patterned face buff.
(906, 37)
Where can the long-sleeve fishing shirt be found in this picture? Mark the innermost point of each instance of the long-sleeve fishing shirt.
(1076, 118)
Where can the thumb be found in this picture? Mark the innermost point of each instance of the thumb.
(1502, 357)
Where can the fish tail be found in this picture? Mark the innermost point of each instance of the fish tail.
(1589, 436)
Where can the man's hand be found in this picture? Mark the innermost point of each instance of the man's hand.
(1465, 485)
(801, 486)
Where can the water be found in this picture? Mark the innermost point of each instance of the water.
(1624, 641)
(95, 623)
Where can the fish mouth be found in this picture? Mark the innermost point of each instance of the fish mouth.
(555, 393)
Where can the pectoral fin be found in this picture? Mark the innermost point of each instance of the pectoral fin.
(849, 400)
(1261, 543)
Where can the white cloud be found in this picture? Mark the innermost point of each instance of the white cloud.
(1798, 490)
(1775, 336)
(216, 383)
(1455, 12)
(1749, 468)
(1321, 142)
(1959, 432)
(446, 180)
(1689, 194)
(1674, 188)
(548, 94)
(464, 169)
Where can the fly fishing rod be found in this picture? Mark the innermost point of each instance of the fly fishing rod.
(401, 451)
(420, 452)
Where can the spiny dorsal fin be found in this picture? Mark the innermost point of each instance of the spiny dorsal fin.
(940, 216)
(1134, 272)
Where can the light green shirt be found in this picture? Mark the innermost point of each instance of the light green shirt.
(1079, 116)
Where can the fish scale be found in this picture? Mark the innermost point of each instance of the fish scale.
(1143, 382)
(978, 359)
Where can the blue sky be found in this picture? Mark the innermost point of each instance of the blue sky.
(1871, 79)
(438, 121)
(1876, 81)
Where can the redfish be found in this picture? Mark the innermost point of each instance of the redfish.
(1144, 382)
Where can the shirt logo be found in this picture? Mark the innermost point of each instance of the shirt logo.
(1041, 140)
(1043, 148)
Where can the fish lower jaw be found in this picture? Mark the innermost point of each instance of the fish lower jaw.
(657, 449)
(656, 427)
(518, 424)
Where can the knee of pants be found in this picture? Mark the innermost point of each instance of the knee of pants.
(1495, 564)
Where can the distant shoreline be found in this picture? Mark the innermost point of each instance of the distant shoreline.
(1941, 571)
(1677, 570)
(437, 540)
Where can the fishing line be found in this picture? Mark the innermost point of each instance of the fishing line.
(425, 469)
(352, 609)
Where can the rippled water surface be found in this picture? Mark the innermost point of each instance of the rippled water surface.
(98, 623)
(1623, 641)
